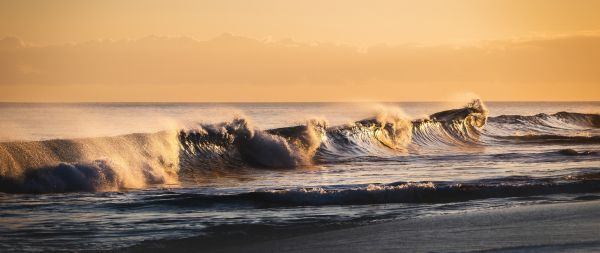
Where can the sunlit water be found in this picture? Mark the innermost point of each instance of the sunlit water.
(509, 161)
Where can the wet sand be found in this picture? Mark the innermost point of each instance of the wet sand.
(568, 227)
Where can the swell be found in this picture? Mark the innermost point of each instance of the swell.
(557, 128)
(559, 120)
(399, 192)
(168, 157)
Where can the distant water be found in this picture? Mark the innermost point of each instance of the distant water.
(105, 176)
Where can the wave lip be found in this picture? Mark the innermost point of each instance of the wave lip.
(457, 127)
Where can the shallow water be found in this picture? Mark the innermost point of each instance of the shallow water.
(194, 168)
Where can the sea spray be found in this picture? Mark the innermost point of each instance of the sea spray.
(112, 163)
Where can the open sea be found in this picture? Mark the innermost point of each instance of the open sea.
(102, 176)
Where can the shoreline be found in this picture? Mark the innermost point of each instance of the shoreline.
(557, 227)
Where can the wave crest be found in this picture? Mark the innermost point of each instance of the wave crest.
(237, 143)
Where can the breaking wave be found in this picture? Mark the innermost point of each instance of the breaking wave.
(140, 160)
(92, 164)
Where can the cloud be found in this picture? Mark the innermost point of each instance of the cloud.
(237, 60)
(11, 42)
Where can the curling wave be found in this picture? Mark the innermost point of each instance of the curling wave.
(237, 143)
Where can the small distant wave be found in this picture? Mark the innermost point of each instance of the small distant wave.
(399, 192)
(561, 155)
(572, 152)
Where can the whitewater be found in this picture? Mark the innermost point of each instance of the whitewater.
(109, 176)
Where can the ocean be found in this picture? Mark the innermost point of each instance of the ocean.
(106, 176)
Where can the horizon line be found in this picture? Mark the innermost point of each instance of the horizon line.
(291, 102)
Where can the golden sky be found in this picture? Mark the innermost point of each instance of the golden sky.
(269, 50)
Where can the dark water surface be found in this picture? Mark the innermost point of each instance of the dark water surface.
(105, 176)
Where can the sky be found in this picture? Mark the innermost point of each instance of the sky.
(269, 50)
